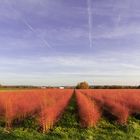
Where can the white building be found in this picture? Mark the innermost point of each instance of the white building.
(61, 87)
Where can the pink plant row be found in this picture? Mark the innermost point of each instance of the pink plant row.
(46, 104)
(49, 104)
(88, 111)
(120, 103)
(51, 114)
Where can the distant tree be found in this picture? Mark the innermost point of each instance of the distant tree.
(82, 85)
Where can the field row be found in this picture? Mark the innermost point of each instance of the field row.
(116, 104)
(46, 105)
(49, 105)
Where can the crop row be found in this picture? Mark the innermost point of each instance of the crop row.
(119, 103)
(47, 105)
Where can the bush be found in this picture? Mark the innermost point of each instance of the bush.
(82, 85)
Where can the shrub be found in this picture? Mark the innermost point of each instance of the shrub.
(82, 85)
(88, 111)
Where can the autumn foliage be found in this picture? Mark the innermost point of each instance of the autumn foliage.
(50, 113)
(88, 111)
(119, 103)
(47, 105)
(82, 85)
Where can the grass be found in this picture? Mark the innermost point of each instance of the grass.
(68, 128)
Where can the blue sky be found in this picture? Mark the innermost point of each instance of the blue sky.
(62, 42)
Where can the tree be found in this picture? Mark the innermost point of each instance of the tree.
(82, 85)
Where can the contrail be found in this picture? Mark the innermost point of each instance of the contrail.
(30, 27)
(89, 9)
(123, 12)
(34, 31)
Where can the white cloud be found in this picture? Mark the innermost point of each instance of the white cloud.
(101, 64)
(118, 32)
(16, 9)
(69, 70)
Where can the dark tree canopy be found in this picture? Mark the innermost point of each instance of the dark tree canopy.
(82, 85)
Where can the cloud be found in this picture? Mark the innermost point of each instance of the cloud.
(70, 69)
(75, 63)
(119, 32)
(15, 9)
(64, 25)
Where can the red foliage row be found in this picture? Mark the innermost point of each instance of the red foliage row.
(88, 111)
(120, 103)
(22, 103)
(51, 114)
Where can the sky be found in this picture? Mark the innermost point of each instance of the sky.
(63, 42)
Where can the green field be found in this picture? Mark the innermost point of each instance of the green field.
(68, 127)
